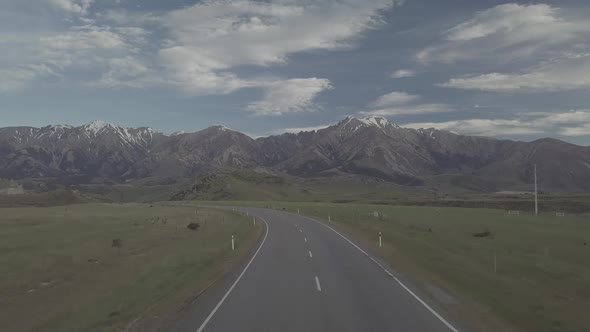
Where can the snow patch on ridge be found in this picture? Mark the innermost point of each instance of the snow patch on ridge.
(377, 121)
(221, 127)
(97, 126)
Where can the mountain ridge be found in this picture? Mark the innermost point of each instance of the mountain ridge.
(109, 153)
(369, 121)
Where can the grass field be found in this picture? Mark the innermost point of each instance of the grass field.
(540, 281)
(244, 185)
(110, 267)
(252, 186)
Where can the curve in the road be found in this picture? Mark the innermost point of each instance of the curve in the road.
(307, 276)
(202, 327)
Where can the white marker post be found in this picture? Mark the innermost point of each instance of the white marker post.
(254, 220)
(536, 194)
(233, 247)
(297, 211)
(329, 219)
(379, 239)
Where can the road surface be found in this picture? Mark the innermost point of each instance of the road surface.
(305, 276)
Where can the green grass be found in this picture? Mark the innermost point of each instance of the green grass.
(245, 185)
(542, 281)
(59, 271)
(252, 186)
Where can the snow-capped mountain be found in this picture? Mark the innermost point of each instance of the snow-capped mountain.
(379, 122)
(351, 124)
(374, 146)
(98, 148)
(86, 135)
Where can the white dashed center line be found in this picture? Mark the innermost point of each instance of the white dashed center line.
(310, 255)
(317, 283)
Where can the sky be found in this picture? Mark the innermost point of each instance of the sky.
(512, 70)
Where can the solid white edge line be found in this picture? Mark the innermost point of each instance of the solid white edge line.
(436, 314)
(451, 327)
(317, 283)
(204, 324)
(378, 264)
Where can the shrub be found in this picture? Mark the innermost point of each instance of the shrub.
(485, 233)
(193, 226)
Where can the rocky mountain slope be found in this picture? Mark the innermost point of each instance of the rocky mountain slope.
(108, 153)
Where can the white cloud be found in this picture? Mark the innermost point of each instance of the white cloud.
(122, 17)
(574, 123)
(127, 71)
(509, 31)
(393, 98)
(89, 49)
(554, 39)
(200, 48)
(410, 110)
(194, 74)
(79, 7)
(568, 73)
(581, 130)
(290, 96)
(15, 79)
(297, 130)
(402, 103)
(109, 54)
(480, 127)
(250, 32)
(508, 18)
(211, 38)
(403, 73)
(84, 49)
(87, 40)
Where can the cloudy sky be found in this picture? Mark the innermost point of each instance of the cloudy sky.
(518, 70)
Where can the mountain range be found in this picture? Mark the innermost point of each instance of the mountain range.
(101, 152)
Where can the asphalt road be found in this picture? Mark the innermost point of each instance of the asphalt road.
(305, 276)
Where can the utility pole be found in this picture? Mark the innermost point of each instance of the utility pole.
(536, 193)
